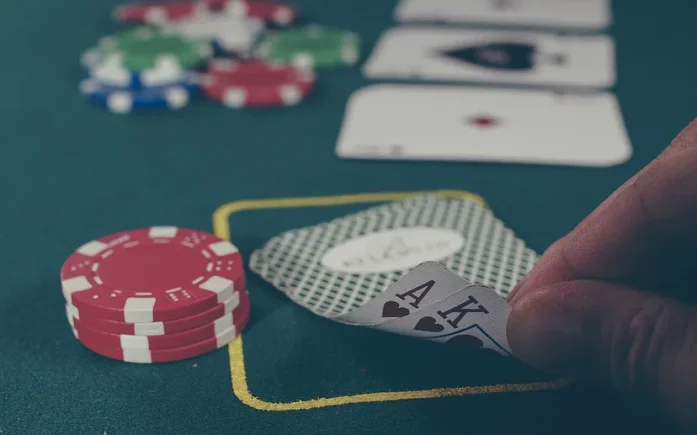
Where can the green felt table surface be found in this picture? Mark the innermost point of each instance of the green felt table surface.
(71, 172)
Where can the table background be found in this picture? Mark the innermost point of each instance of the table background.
(71, 172)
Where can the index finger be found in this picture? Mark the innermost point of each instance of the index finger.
(643, 226)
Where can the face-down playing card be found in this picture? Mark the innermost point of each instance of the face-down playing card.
(490, 56)
(349, 269)
(439, 122)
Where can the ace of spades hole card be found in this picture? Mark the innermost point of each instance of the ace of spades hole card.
(428, 267)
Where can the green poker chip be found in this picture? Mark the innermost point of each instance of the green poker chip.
(311, 47)
(144, 48)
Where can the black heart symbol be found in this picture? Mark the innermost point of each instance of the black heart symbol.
(428, 324)
(392, 309)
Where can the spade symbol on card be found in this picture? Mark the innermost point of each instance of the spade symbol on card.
(510, 56)
(392, 309)
(428, 324)
(506, 56)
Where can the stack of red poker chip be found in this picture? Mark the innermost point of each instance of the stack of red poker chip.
(159, 294)
(256, 83)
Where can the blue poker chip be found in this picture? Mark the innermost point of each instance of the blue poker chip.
(126, 100)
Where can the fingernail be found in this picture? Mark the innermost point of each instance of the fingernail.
(516, 289)
(544, 334)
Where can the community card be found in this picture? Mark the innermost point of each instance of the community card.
(335, 268)
(489, 56)
(475, 311)
(439, 122)
(590, 15)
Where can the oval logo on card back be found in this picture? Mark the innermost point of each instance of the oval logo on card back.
(391, 250)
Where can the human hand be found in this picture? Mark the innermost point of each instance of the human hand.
(613, 300)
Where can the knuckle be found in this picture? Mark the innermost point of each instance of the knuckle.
(639, 341)
(654, 356)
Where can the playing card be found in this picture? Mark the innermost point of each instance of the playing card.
(438, 122)
(568, 14)
(339, 266)
(427, 283)
(475, 315)
(489, 56)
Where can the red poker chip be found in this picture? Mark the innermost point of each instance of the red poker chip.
(271, 12)
(147, 356)
(128, 342)
(153, 274)
(256, 83)
(161, 12)
(155, 13)
(237, 304)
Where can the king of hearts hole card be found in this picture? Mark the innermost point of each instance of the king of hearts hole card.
(427, 267)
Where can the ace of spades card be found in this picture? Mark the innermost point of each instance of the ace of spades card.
(388, 266)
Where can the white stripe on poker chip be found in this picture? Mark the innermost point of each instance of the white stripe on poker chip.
(145, 356)
(176, 97)
(290, 94)
(162, 232)
(223, 248)
(283, 15)
(134, 342)
(222, 286)
(303, 60)
(92, 248)
(233, 302)
(236, 8)
(89, 86)
(156, 15)
(149, 328)
(72, 285)
(167, 70)
(226, 337)
(137, 356)
(349, 54)
(120, 102)
(234, 97)
(223, 323)
(72, 311)
(91, 58)
(138, 310)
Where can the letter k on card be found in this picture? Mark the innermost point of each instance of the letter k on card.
(475, 316)
(426, 284)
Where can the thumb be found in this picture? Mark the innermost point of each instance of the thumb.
(639, 343)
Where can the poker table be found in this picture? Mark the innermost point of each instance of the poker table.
(72, 172)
